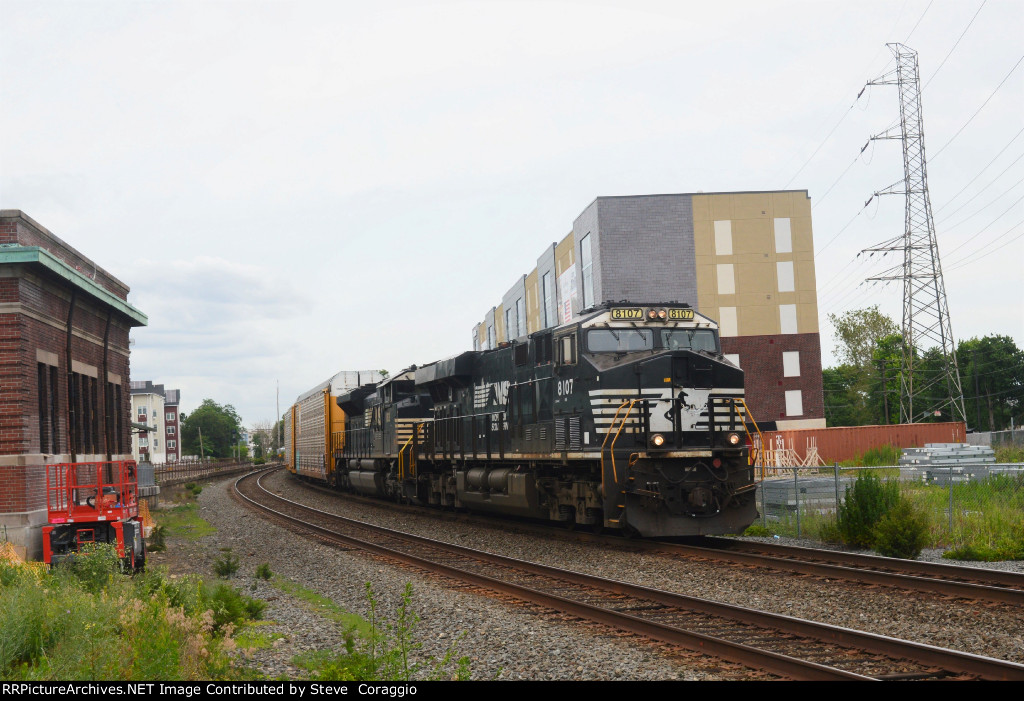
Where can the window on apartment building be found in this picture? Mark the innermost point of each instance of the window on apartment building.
(47, 380)
(143, 441)
(587, 265)
(787, 318)
(169, 416)
(727, 325)
(791, 364)
(783, 236)
(170, 430)
(521, 316)
(171, 445)
(794, 403)
(508, 324)
(723, 237)
(156, 443)
(726, 279)
(784, 271)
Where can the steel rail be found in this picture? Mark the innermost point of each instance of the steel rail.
(972, 583)
(765, 660)
(986, 579)
(949, 660)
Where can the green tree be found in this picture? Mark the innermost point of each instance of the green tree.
(859, 332)
(858, 391)
(220, 428)
(992, 377)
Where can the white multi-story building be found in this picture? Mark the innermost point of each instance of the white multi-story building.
(157, 410)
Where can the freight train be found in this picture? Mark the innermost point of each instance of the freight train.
(629, 418)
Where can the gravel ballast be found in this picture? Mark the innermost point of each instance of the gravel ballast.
(507, 640)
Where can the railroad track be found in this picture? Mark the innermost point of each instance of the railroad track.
(949, 580)
(781, 645)
(973, 583)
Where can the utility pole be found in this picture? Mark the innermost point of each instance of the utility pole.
(885, 391)
(977, 392)
(925, 310)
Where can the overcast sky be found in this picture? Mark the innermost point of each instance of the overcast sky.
(291, 189)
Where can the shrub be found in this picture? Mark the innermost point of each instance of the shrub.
(93, 566)
(226, 565)
(230, 607)
(863, 506)
(157, 540)
(902, 531)
(757, 531)
(263, 571)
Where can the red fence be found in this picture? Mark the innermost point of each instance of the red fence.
(847, 442)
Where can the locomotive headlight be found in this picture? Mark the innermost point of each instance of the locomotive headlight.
(652, 315)
(734, 439)
(657, 440)
(662, 314)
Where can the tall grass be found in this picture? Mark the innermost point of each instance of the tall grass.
(86, 621)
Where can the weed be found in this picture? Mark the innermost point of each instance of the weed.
(230, 607)
(385, 652)
(758, 531)
(263, 571)
(84, 622)
(157, 540)
(226, 565)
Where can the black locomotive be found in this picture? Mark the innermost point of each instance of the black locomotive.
(628, 418)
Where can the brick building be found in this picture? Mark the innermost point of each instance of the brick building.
(64, 368)
(172, 425)
(745, 259)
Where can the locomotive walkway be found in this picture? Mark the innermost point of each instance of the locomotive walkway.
(782, 645)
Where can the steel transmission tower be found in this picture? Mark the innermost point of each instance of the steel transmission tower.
(925, 311)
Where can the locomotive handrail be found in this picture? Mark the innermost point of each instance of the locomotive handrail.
(402, 453)
(615, 472)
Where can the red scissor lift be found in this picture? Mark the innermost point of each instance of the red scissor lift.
(93, 502)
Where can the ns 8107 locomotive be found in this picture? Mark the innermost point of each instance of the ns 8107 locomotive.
(629, 418)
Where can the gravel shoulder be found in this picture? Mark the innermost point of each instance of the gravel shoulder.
(504, 640)
(507, 640)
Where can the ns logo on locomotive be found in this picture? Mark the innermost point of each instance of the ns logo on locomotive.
(628, 418)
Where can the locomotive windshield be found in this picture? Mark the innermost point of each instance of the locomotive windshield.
(689, 339)
(620, 340)
(629, 340)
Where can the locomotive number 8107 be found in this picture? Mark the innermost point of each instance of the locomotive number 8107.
(628, 418)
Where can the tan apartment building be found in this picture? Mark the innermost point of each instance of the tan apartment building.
(745, 259)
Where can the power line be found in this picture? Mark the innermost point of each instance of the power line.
(964, 261)
(979, 193)
(1001, 151)
(1015, 66)
(918, 22)
(943, 63)
(980, 232)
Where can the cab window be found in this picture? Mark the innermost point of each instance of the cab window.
(566, 349)
(689, 339)
(619, 340)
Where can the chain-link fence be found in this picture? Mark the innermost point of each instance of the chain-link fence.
(964, 503)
